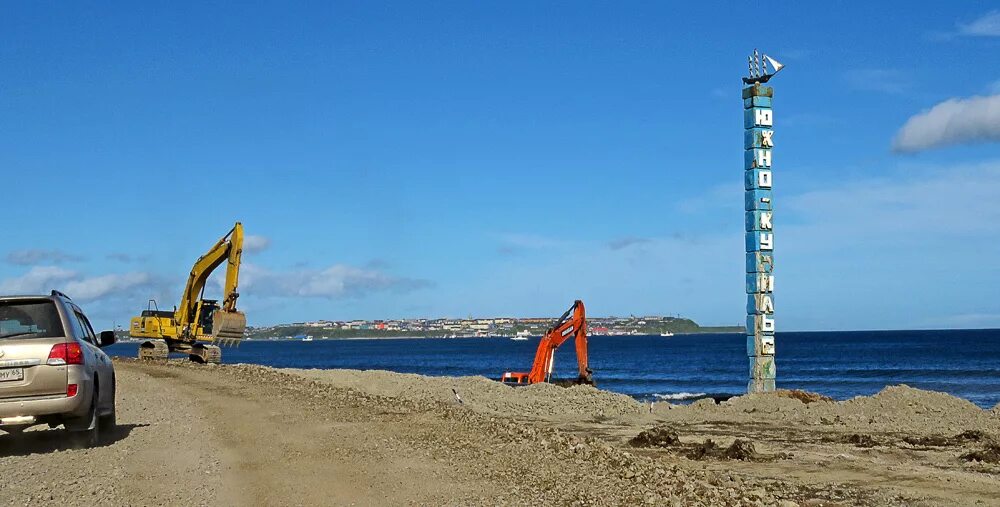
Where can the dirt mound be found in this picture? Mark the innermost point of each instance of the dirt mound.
(742, 450)
(903, 394)
(660, 436)
(484, 395)
(803, 396)
(972, 436)
(990, 454)
(943, 441)
(928, 441)
(861, 440)
(703, 403)
(895, 409)
(706, 449)
(767, 403)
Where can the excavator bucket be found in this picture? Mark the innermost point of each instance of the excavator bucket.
(228, 327)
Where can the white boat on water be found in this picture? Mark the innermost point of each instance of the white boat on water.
(521, 336)
(668, 333)
(307, 338)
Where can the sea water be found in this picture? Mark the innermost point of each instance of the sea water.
(964, 363)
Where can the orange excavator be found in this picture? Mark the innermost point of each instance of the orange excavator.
(573, 323)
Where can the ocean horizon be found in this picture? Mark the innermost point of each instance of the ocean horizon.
(679, 368)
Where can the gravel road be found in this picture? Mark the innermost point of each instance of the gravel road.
(224, 436)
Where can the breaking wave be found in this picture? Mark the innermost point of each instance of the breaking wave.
(680, 396)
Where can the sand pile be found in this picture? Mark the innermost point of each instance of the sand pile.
(578, 460)
(895, 408)
(803, 396)
(484, 395)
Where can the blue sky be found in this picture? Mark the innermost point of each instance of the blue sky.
(456, 158)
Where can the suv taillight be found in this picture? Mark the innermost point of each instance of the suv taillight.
(65, 353)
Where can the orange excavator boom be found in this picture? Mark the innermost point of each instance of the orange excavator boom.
(572, 324)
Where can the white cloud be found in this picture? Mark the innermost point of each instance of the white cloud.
(900, 210)
(38, 280)
(42, 279)
(38, 256)
(334, 282)
(100, 287)
(954, 121)
(253, 243)
(986, 26)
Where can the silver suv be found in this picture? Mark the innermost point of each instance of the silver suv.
(52, 370)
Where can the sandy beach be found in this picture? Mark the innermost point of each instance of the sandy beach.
(250, 435)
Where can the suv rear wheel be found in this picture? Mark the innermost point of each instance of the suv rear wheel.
(87, 435)
(106, 423)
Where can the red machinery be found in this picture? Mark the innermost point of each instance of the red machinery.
(573, 323)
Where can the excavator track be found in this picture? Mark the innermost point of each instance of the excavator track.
(154, 350)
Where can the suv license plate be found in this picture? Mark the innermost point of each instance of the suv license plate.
(11, 374)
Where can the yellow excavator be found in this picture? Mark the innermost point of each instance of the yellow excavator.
(197, 326)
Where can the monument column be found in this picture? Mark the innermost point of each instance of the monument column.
(758, 141)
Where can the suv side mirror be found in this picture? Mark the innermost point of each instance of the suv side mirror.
(106, 338)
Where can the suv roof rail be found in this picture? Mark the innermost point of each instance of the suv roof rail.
(60, 294)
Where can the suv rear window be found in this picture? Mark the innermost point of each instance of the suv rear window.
(29, 319)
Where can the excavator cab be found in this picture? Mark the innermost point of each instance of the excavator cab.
(206, 312)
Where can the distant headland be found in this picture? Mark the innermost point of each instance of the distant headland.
(477, 327)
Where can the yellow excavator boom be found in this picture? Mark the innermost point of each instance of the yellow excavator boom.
(227, 322)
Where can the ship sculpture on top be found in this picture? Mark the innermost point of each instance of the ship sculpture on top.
(757, 65)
